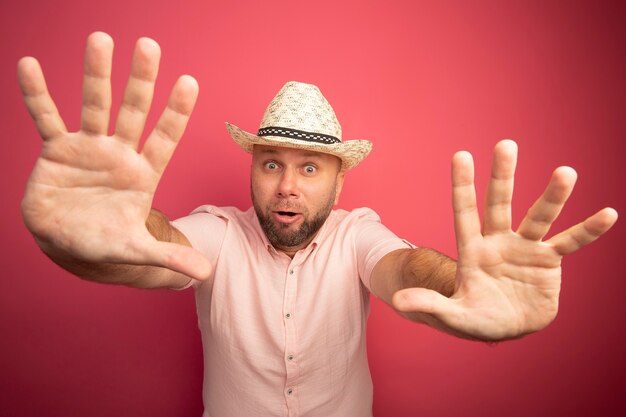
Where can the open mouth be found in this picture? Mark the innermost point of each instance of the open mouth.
(286, 217)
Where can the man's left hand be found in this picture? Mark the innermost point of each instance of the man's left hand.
(507, 282)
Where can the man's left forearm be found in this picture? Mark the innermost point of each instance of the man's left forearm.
(410, 268)
(427, 268)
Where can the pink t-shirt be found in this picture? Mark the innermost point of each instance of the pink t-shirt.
(281, 336)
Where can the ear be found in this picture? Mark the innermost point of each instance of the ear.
(341, 176)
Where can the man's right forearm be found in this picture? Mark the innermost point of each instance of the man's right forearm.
(138, 276)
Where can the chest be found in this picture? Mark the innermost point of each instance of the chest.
(259, 297)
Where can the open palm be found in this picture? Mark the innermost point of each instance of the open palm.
(89, 194)
(507, 282)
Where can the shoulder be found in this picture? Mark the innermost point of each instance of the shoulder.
(225, 213)
(232, 222)
(207, 222)
(348, 225)
(361, 214)
(218, 218)
(364, 225)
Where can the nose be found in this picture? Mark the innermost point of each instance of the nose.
(288, 185)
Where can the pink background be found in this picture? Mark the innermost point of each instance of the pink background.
(420, 79)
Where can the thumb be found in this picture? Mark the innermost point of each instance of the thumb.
(179, 258)
(421, 300)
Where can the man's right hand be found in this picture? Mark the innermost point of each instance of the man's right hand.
(90, 194)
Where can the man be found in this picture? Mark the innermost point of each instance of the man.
(282, 289)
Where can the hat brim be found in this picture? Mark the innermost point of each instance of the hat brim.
(351, 152)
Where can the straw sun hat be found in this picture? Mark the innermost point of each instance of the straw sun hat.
(300, 117)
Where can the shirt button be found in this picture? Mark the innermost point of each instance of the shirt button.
(289, 391)
(291, 272)
(288, 315)
(290, 358)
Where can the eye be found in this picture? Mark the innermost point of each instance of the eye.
(271, 166)
(310, 169)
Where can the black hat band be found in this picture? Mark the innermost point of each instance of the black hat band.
(298, 134)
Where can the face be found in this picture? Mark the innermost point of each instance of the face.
(293, 192)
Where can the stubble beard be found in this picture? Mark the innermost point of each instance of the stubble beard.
(279, 235)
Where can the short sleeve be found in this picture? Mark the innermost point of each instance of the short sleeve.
(372, 242)
(205, 231)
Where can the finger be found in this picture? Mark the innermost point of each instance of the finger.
(178, 258)
(418, 300)
(429, 307)
(466, 218)
(145, 250)
(139, 92)
(497, 216)
(546, 209)
(37, 98)
(97, 84)
(584, 233)
(162, 142)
